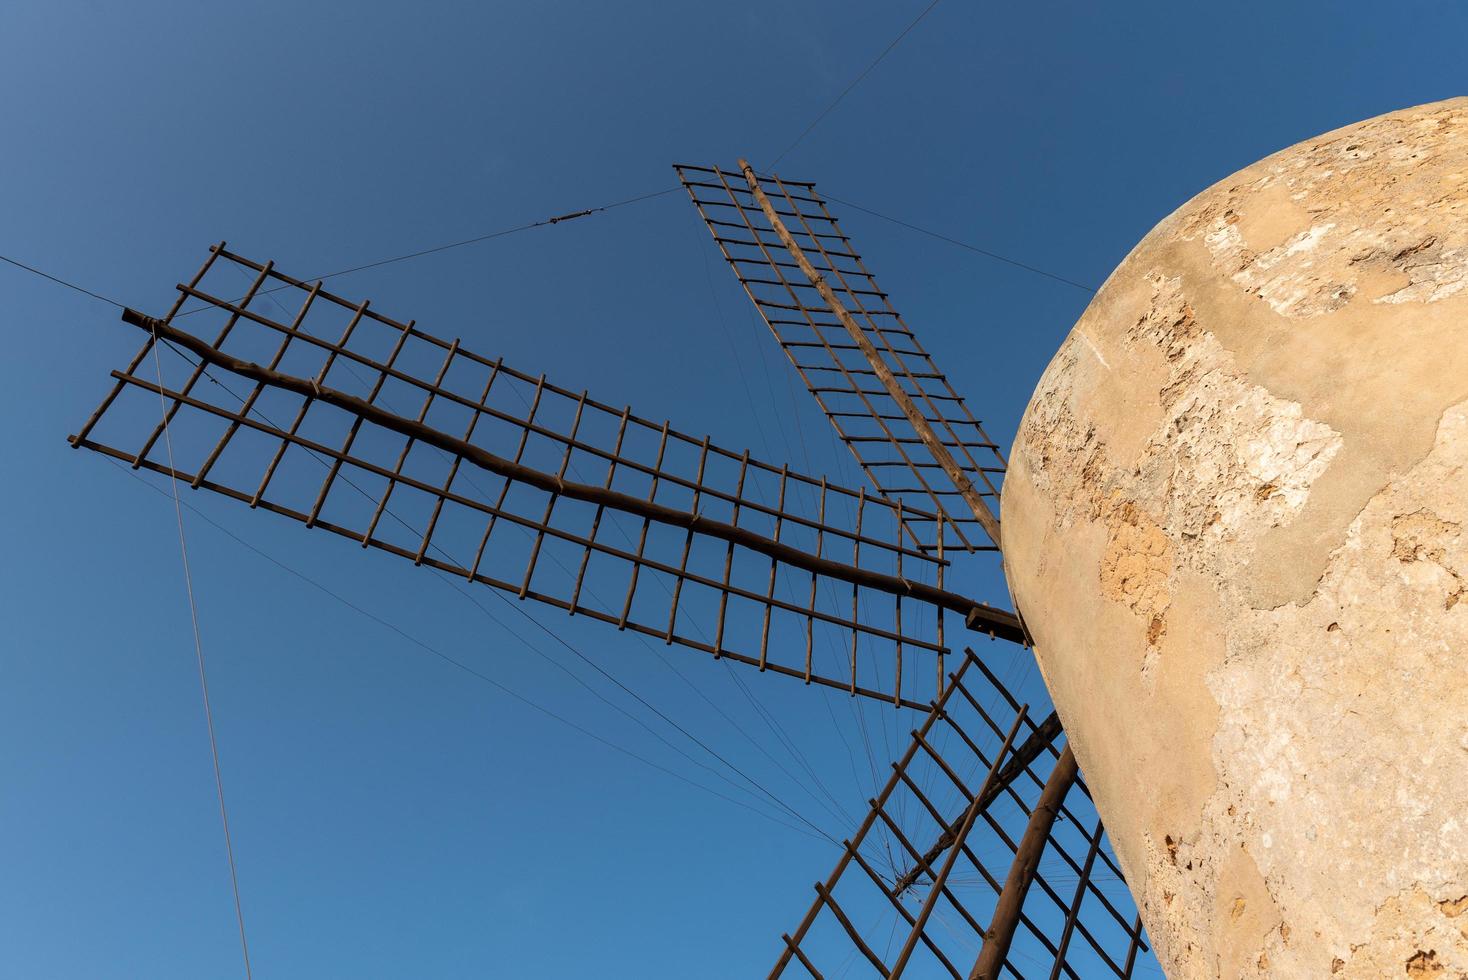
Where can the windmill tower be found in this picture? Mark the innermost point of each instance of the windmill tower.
(328, 412)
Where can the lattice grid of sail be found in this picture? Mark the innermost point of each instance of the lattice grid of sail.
(324, 410)
(916, 886)
(865, 415)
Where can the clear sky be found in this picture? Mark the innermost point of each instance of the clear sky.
(392, 816)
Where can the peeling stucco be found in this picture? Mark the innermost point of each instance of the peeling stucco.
(1234, 521)
(1331, 192)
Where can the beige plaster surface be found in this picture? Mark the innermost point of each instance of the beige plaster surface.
(1234, 520)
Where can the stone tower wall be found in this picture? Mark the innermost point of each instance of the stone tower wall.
(1235, 521)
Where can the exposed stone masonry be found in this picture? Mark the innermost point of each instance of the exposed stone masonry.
(1234, 521)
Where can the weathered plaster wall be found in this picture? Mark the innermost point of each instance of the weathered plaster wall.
(1234, 519)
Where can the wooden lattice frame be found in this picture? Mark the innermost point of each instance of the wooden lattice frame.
(830, 537)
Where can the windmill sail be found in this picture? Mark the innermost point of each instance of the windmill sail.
(324, 410)
(914, 437)
(798, 266)
(998, 762)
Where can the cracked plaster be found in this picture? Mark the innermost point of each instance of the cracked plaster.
(1234, 521)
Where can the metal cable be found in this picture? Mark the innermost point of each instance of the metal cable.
(453, 661)
(444, 248)
(855, 82)
(61, 282)
(780, 803)
(961, 244)
(183, 549)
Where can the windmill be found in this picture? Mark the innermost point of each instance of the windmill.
(328, 412)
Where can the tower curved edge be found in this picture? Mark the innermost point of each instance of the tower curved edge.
(1236, 521)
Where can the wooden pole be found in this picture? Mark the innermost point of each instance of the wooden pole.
(961, 832)
(996, 621)
(850, 848)
(1026, 859)
(884, 374)
(1028, 752)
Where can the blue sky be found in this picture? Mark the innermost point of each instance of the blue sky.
(393, 817)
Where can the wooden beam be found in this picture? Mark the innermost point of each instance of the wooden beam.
(982, 617)
(1026, 859)
(1038, 741)
(961, 832)
(884, 374)
(792, 945)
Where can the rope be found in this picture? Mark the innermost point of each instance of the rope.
(183, 549)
